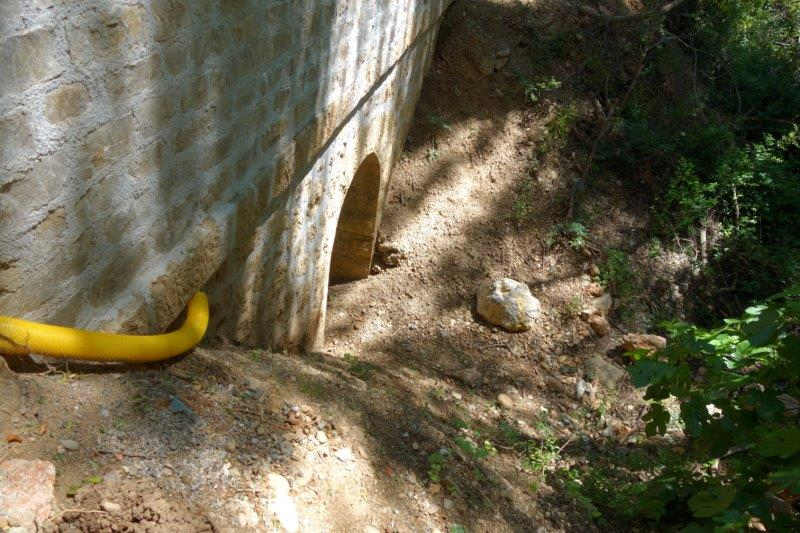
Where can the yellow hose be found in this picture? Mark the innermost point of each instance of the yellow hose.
(21, 337)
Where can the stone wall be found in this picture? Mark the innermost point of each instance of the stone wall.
(152, 148)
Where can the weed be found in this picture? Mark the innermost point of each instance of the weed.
(522, 208)
(572, 309)
(616, 273)
(432, 153)
(534, 89)
(574, 233)
(540, 456)
(437, 464)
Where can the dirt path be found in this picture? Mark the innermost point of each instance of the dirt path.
(417, 416)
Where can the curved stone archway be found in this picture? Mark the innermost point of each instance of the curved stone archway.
(351, 258)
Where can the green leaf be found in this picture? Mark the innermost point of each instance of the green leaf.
(787, 479)
(647, 371)
(783, 442)
(762, 331)
(657, 419)
(712, 501)
(695, 415)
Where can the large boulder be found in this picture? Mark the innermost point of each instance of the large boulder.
(26, 492)
(508, 304)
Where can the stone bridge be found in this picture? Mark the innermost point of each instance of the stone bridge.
(153, 148)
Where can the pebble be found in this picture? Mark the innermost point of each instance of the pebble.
(70, 445)
(448, 504)
(505, 401)
(322, 437)
(110, 507)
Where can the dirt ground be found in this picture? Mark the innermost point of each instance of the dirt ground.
(417, 416)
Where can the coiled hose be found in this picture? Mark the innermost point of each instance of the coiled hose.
(22, 337)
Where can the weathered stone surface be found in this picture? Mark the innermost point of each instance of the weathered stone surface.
(508, 304)
(67, 101)
(643, 341)
(281, 506)
(109, 142)
(603, 371)
(26, 491)
(17, 137)
(28, 59)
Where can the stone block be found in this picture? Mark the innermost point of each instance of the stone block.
(28, 59)
(109, 142)
(17, 138)
(65, 102)
(133, 79)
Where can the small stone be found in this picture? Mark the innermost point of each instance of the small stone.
(110, 507)
(448, 504)
(322, 437)
(230, 445)
(505, 401)
(599, 325)
(70, 445)
(508, 303)
(581, 388)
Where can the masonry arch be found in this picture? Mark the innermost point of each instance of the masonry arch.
(353, 245)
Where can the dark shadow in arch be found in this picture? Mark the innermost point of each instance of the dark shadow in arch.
(353, 246)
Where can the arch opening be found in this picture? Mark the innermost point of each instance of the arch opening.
(353, 245)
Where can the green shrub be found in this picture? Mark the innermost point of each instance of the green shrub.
(739, 391)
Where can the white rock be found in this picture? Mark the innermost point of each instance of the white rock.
(281, 506)
(505, 401)
(448, 504)
(322, 437)
(345, 455)
(508, 304)
(110, 507)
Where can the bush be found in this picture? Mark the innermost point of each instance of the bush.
(739, 392)
(716, 113)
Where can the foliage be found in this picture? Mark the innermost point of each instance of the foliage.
(574, 233)
(738, 386)
(616, 272)
(534, 89)
(711, 127)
